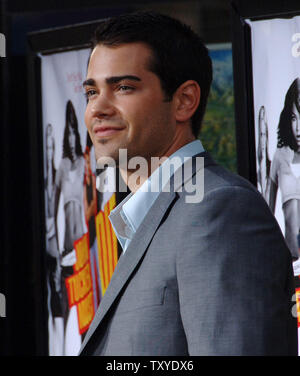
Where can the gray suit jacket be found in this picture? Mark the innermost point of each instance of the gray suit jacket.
(211, 278)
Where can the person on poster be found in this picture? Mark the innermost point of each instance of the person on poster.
(264, 163)
(69, 184)
(90, 208)
(53, 257)
(196, 277)
(286, 157)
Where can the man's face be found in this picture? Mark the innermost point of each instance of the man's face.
(126, 105)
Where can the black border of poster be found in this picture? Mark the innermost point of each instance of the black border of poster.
(55, 40)
(242, 73)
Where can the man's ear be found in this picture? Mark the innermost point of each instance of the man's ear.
(187, 99)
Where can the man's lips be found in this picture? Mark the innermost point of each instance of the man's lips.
(106, 130)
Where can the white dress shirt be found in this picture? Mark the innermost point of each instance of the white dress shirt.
(129, 214)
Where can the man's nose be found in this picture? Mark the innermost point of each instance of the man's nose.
(102, 106)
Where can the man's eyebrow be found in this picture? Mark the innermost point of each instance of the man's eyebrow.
(89, 82)
(111, 80)
(116, 79)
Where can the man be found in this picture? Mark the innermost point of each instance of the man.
(196, 278)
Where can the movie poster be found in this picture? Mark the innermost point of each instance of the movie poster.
(81, 248)
(276, 91)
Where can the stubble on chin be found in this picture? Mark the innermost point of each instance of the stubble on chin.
(105, 157)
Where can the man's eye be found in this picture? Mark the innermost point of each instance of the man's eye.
(89, 93)
(125, 88)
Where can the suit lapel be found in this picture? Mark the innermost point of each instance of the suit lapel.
(137, 247)
(130, 259)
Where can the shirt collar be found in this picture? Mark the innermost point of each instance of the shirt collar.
(129, 214)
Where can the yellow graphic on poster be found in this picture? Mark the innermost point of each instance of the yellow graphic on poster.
(79, 285)
(107, 244)
(297, 291)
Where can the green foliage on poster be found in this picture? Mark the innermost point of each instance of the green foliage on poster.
(218, 129)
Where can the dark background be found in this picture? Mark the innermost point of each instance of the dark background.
(23, 330)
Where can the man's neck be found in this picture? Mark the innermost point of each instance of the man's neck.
(135, 184)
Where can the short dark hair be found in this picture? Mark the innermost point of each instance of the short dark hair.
(178, 53)
(71, 121)
(285, 132)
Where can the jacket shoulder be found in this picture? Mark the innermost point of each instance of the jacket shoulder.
(215, 179)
